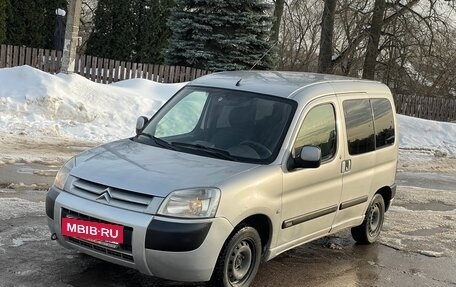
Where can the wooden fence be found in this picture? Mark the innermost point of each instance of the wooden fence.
(426, 107)
(97, 69)
(106, 71)
(42, 59)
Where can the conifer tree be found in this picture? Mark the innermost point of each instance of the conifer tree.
(133, 30)
(114, 31)
(220, 34)
(3, 12)
(31, 22)
(152, 31)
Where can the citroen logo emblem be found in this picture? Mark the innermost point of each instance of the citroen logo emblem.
(106, 195)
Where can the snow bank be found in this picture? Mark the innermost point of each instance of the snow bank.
(35, 103)
(419, 134)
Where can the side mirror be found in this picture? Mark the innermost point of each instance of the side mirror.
(140, 123)
(310, 157)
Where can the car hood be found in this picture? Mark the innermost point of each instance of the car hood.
(133, 166)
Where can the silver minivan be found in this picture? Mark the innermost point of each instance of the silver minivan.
(236, 168)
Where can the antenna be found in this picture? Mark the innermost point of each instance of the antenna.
(238, 83)
(265, 53)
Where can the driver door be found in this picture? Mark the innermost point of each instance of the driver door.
(311, 196)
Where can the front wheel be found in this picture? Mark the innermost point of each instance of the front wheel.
(239, 259)
(369, 230)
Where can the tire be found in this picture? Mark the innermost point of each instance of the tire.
(369, 231)
(239, 259)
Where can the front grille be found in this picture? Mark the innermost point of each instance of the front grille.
(125, 248)
(101, 249)
(111, 196)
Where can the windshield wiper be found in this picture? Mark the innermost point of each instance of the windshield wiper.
(158, 141)
(223, 154)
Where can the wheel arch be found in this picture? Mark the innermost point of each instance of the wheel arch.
(220, 275)
(387, 194)
(263, 225)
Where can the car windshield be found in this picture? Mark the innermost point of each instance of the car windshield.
(221, 123)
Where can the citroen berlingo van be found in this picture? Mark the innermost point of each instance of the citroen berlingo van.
(236, 168)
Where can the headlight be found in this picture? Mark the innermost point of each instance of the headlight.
(63, 174)
(191, 203)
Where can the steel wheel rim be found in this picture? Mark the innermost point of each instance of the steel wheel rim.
(374, 220)
(241, 262)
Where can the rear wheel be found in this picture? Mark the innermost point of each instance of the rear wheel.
(239, 259)
(369, 231)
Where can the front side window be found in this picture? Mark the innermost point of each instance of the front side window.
(359, 125)
(318, 129)
(221, 123)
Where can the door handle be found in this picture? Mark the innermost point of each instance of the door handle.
(346, 165)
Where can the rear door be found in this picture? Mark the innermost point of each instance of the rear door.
(359, 158)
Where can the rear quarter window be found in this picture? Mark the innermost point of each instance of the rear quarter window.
(383, 122)
(359, 125)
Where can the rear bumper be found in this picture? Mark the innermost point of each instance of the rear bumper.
(393, 194)
(174, 249)
(393, 190)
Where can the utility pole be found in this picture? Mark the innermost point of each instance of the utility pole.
(71, 36)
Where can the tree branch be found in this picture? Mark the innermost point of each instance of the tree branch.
(365, 33)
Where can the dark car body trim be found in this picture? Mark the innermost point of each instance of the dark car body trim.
(308, 216)
(353, 202)
(393, 190)
(51, 196)
(175, 237)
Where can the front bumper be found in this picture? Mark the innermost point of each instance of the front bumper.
(174, 249)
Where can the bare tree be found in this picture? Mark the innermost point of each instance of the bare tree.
(428, 51)
(374, 38)
(410, 46)
(326, 39)
(86, 22)
(278, 12)
(363, 34)
(351, 18)
(299, 36)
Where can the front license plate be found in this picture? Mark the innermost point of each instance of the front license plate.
(92, 231)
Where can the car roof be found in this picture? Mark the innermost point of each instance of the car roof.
(278, 83)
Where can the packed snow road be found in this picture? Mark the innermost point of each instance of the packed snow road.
(416, 246)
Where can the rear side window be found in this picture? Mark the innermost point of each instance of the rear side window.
(384, 122)
(318, 129)
(359, 125)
